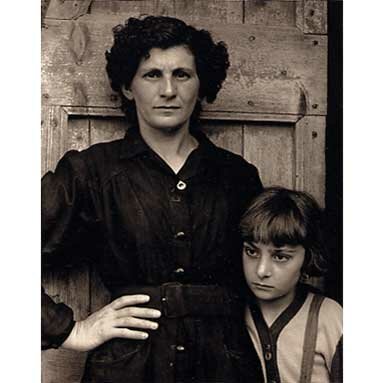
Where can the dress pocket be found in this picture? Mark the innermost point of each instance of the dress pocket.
(116, 360)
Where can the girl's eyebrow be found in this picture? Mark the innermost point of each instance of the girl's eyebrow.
(251, 244)
(284, 249)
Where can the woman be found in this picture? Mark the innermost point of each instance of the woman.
(157, 214)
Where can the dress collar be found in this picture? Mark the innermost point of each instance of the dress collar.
(134, 145)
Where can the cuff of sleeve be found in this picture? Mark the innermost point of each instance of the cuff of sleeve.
(56, 324)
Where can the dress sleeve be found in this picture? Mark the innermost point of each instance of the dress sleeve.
(62, 219)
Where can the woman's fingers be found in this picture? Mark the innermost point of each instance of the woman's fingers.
(135, 323)
(129, 334)
(129, 300)
(138, 312)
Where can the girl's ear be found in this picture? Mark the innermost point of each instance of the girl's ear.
(304, 277)
(127, 93)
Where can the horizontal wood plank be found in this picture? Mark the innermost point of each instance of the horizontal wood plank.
(273, 70)
(270, 13)
(68, 9)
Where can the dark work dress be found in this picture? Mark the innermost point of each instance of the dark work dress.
(148, 230)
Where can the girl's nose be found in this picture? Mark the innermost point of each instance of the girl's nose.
(168, 87)
(264, 267)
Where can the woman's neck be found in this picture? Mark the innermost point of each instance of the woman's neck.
(173, 146)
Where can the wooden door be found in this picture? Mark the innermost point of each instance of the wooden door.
(271, 110)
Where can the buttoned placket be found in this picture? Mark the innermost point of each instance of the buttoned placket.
(180, 222)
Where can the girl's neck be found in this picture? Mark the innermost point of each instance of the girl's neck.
(271, 309)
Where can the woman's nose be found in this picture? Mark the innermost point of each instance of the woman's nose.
(168, 87)
(264, 267)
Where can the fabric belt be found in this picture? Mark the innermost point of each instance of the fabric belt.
(176, 300)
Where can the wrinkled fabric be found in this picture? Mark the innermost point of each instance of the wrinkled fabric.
(119, 206)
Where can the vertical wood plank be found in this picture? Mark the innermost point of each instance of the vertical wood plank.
(107, 129)
(271, 149)
(72, 288)
(53, 136)
(311, 16)
(67, 9)
(78, 136)
(227, 135)
(310, 156)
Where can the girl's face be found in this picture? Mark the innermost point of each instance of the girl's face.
(165, 89)
(272, 272)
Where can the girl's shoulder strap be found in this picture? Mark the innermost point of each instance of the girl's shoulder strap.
(310, 338)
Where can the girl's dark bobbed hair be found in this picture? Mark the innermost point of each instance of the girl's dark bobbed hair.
(288, 217)
(134, 40)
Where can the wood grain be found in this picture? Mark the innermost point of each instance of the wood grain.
(68, 9)
(310, 156)
(72, 288)
(270, 148)
(227, 135)
(311, 16)
(273, 70)
(107, 129)
(53, 136)
(270, 13)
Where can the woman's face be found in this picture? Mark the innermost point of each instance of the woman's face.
(165, 89)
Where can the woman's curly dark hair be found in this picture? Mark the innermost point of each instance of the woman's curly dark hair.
(137, 37)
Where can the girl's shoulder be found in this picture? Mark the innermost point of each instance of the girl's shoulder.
(330, 316)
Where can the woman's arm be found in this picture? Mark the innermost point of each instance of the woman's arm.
(68, 211)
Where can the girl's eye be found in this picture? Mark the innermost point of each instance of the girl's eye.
(280, 257)
(250, 252)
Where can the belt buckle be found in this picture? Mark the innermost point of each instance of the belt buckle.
(173, 301)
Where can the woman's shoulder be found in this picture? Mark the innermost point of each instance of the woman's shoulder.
(96, 161)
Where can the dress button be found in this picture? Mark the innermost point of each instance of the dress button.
(268, 347)
(268, 355)
(179, 235)
(180, 348)
(181, 185)
(180, 270)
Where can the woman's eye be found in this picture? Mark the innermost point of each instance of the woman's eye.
(182, 75)
(152, 74)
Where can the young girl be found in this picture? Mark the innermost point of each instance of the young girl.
(296, 332)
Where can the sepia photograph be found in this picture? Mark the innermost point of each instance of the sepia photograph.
(191, 191)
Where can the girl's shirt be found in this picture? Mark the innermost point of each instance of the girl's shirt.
(280, 347)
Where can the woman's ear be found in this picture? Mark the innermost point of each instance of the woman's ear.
(127, 93)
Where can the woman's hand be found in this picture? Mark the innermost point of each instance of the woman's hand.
(115, 320)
